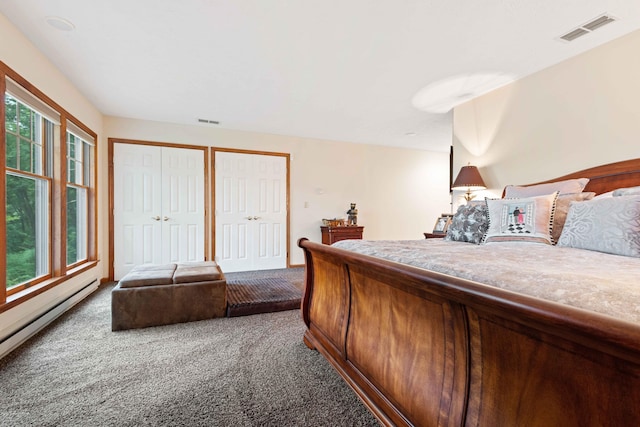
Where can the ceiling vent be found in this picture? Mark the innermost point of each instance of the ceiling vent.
(590, 26)
(212, 122)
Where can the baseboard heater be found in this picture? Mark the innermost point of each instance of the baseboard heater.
(13, 340)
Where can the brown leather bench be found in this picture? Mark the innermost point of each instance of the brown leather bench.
(152, 295)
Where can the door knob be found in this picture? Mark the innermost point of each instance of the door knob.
(249, 218)
(156, 218)
(166, 218)
(256, 217)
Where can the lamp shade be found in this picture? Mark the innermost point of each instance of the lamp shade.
(467, 178)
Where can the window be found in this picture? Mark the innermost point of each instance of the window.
(49, 175)
(78, 182)
(28, 138)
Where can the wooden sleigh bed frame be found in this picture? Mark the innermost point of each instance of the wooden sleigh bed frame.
(423, 348)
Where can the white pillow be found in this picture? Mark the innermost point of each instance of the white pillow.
(562, 209)
(603, 195)
(610, 224)
(562, 187)
(629, 191)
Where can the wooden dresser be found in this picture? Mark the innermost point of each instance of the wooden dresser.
(433, 236)
(334, 234)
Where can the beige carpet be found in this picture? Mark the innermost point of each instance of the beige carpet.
(241, 371)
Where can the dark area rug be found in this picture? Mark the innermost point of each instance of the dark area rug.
(266, 291)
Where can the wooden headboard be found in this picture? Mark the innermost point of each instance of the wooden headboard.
(607, 177)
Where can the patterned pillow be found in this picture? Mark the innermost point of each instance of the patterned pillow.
(629, 191)
(562, 207)
(521, 220)
(468, 224)
(610, 225)
(563, 187)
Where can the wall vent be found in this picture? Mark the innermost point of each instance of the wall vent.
(213, 122)
(590, 26)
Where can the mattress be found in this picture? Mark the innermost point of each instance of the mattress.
(590, 280)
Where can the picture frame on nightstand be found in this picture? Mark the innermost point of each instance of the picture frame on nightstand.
(442, 223)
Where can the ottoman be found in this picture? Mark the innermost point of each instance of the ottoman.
(153, 295)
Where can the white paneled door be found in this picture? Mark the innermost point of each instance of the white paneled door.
(158, 205)
(250, 211)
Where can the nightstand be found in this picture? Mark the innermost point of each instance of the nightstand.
(331, 235)
(433, 236)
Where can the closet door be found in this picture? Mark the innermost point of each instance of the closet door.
(137, 203)
(158, 205)
(182, 205)
(250, 211)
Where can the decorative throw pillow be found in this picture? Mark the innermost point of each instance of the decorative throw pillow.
(469, 224)
(562, 187)
(610, 225)
(562, 207)
(521, 220)
(629, 191)
(603, 195)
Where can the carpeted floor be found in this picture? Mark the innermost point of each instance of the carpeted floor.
(241, 371)
(265, 291)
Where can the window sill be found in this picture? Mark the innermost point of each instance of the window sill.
(32, 291)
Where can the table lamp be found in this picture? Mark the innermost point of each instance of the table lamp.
(468, 179)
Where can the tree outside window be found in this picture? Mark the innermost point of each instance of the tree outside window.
(27, 193)
(78, 180)
(49, 174)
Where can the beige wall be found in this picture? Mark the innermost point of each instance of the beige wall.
(580, 113)
(399, 192)
(19, 54)
(577, 114)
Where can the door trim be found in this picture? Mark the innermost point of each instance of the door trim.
(287, 156)
(207, 217)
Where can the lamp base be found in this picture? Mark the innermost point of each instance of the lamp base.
(468, 196)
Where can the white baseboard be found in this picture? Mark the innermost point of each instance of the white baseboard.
(36, 325)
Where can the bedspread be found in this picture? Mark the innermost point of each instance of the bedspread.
(607, 284)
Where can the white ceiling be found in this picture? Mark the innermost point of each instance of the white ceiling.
(344, 70)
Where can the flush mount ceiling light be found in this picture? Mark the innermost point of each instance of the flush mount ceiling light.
(60, 23)
(441, 96)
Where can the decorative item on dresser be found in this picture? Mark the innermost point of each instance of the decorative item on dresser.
(352, 219)
(331, 235)
(442, 223)
(440, 332)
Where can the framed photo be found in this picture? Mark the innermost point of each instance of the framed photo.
(442, 223)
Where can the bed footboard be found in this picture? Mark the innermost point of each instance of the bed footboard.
(422, 348)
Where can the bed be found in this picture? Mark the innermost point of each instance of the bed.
(447, 342)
